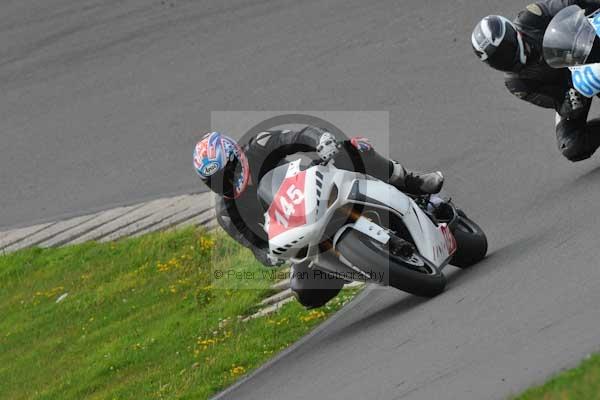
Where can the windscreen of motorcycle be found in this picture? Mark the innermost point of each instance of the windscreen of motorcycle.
(569, 38)
(270, 183)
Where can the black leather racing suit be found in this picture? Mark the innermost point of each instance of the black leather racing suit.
(546, 87)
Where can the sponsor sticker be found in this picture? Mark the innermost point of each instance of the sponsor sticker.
(210, 169)
(288, 208)
(449, 239)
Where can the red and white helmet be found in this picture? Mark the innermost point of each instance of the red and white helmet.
(222, 165)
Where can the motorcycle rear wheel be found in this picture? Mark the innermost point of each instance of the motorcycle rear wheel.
(414, 274)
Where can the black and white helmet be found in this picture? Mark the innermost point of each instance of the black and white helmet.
(497, 43)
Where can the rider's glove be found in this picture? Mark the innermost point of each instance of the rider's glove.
(328, 147)
(573, 105)
(361, 143)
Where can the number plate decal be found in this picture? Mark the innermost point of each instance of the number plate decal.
(449, 239)
(287, 211)
(586, 79)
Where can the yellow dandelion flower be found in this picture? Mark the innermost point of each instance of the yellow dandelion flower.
(237, 370)
(206, 243)
(162, 267)
(314, 314)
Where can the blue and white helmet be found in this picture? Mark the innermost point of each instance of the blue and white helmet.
(222, 165)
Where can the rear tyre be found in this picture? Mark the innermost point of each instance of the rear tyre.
(412, 274)
(471, 242)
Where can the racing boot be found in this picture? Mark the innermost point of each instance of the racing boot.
(417, 183)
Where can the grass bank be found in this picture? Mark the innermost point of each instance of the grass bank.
(139, 318)
(580, 383)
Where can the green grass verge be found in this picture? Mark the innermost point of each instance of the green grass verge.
(581, 383)
(143, 318)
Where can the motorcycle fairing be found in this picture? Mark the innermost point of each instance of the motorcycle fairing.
(421, 227)
(586, 78)
(294, 208)
(327, 189)
(288, 209)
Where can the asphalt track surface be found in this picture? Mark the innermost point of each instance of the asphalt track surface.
(102, 100)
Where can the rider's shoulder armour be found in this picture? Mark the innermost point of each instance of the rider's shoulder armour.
(533, 17)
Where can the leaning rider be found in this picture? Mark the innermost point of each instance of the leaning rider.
(515, 47)
(233, 171)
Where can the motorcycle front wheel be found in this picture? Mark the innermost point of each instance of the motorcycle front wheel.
(471, 242)
(412, 274)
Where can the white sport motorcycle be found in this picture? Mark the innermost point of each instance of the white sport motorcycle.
(572, 40)
(359, 228)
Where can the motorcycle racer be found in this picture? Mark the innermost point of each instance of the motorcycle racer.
(515, 47)
(233, 171)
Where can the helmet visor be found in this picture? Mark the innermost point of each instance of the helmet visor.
(223, 181)
(496, 41)
(484, 45)
(569, 38)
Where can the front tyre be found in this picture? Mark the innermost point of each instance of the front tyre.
(413, 274)
(471, 242)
